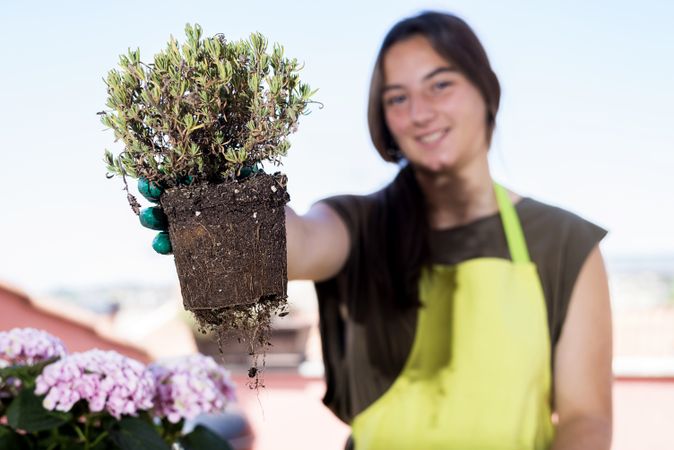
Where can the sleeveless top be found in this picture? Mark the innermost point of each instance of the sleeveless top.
(559, 242)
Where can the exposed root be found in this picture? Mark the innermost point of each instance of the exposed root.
(250, 324)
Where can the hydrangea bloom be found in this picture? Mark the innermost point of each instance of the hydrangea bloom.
(190, 386)
(105, 379)
(27, 346)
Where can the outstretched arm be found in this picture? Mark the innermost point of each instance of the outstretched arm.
(318, 243)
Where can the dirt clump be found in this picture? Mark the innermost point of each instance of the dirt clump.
(229, 244)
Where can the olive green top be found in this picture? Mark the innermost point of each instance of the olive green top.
(558, 242)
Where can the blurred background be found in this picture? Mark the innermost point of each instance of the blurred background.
(584, 124)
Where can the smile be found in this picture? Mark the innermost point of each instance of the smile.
(432, 138)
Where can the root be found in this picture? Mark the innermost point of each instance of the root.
(247, 323)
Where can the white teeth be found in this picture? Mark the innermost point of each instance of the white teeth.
(427, 139)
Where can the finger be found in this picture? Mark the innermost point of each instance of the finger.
(153, 218)
(247, 171)
(186, 180)
(162, 244)
(149, 189)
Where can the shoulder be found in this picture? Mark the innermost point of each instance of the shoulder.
(559, 241)
(543, 222)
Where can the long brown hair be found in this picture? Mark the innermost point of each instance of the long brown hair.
(397, 247)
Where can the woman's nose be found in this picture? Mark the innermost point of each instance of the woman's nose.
(421, 110)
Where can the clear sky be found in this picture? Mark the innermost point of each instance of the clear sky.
(585, 119)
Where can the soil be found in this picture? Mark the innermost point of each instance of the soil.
(229, 241)
(229, 244)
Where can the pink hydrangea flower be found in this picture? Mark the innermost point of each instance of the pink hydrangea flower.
(105, 379)
(189, 386)
(28, 346)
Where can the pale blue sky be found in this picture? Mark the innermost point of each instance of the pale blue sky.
(585, 120)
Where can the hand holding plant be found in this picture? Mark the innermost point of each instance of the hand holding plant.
(196, 124)
(154, 217)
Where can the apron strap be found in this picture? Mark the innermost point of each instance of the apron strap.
(512, 227)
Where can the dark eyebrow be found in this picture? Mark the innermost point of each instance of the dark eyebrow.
(440, 70)
(426, 77)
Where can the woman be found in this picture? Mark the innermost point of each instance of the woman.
(455, 314)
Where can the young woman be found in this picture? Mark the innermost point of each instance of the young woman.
(455, 314)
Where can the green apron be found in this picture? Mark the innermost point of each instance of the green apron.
(478, 375)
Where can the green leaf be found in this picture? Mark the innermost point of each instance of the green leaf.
(27, 413)
(242, 99)
(137, 434)
(10, 439)
(203, 438)
(24, 373)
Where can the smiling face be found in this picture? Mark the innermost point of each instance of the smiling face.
(435, 114)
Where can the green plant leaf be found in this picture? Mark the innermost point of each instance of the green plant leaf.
(212, 93)
(10, 439)
(202, 438)
(136, 434)
(27, 374)
(21, 372)
(27, 413)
